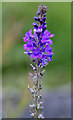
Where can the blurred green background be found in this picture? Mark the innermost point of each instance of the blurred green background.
(17, 19)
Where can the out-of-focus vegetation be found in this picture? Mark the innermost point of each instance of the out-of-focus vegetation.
(17, 19)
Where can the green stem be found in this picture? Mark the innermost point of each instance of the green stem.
(37, 87)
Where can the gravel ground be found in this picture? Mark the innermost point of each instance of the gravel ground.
(57, 103)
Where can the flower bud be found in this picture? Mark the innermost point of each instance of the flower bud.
(44, 19)
(32, 114)
(38, 31)
(37, 18)
(39, 97)
(36, 96)
(41, 21)
(43, 71)
(41, 103)
(40, 87)
(41, 108)
(38, 107)
(32, 106)
(38, 12)
(31, 90)
(35, 24)
(33, 67)
(41, 74)
(45, 26)
(45, 15)
(40, 116)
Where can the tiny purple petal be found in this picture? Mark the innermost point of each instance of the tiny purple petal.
(50, 59)
(44, 18)
(47, 32)
(52, 35)
(45, 26)
(25, 39)
(50, 42)
(38, 30)
(30, 31)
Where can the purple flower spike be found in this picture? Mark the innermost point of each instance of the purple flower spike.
(38, 47)
(39, 40)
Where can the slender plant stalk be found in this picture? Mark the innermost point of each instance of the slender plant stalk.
(37, 110)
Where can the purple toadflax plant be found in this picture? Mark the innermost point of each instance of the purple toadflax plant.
(38, 47)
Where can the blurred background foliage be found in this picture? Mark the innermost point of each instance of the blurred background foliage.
(17, 19)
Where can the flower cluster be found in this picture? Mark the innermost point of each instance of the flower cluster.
(38, 44)
(38, 47)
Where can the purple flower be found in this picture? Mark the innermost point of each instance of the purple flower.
(28, 46)
(36, 53)
(27, 36)
(45, 37)
(39, 44)
(38, 47)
